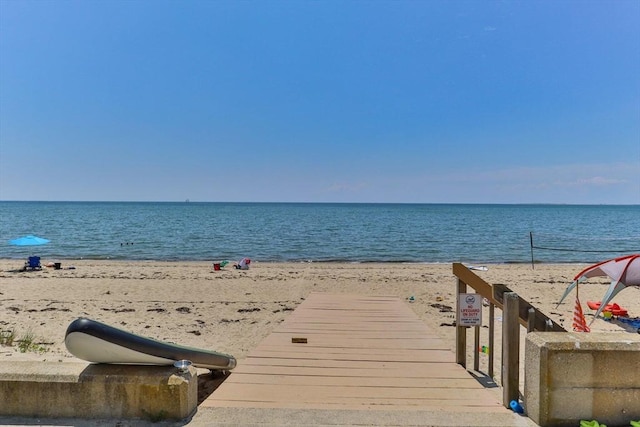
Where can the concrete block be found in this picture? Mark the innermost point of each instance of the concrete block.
(68, 390)
(572, 376)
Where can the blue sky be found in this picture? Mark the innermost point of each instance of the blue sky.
(325, 101)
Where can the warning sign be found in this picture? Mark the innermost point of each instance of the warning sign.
(470, 310)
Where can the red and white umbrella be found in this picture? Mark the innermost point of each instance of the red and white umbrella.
(623, 272)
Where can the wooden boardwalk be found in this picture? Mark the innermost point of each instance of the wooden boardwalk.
(362, 352)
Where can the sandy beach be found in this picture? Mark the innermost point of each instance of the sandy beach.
(231, 311)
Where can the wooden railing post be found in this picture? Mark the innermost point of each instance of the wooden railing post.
(510, 348)
(476, 348)
(491, 337)
(531, 320)
(461, 331)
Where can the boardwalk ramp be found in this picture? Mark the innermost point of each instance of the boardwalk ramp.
(343, 359)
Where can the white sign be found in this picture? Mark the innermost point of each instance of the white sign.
(470, 310)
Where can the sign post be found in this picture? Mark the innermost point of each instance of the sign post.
(470, 310)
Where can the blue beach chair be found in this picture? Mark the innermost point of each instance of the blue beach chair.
(33, 263)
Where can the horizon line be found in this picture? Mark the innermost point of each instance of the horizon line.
(188, 201)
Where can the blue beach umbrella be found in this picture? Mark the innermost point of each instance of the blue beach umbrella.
(29, 241)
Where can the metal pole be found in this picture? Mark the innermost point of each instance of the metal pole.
(531, 243)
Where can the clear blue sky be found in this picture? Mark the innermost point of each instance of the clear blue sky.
(323, 101)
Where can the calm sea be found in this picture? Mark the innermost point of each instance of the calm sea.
(321, 231)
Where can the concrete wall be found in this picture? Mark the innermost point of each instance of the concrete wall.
(577, 376)
(77, 390)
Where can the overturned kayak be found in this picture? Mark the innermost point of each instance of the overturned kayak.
(97, 342)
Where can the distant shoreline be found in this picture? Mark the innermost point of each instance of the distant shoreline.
(46, 259)
(320, 203)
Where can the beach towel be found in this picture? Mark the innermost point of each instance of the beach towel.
(635, 322)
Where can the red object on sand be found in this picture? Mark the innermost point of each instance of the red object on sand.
(613, 308)
(579, 322)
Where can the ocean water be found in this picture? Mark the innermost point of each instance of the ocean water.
(320, 232)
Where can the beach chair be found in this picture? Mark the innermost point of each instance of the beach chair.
(33, 263)
(243, 264)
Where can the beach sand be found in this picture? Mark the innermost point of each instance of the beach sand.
(231, 310)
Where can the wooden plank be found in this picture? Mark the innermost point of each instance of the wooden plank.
(418, 368)
(405, 405)
(356, 326)
(335, 299)
(363, 381)
(353, 324)
(332, 341)
(390, 353)
(416, 361)
(386, 334)
(340, 318)
(476, 282)
(443, 370)
(320, 393)
(322, 353)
